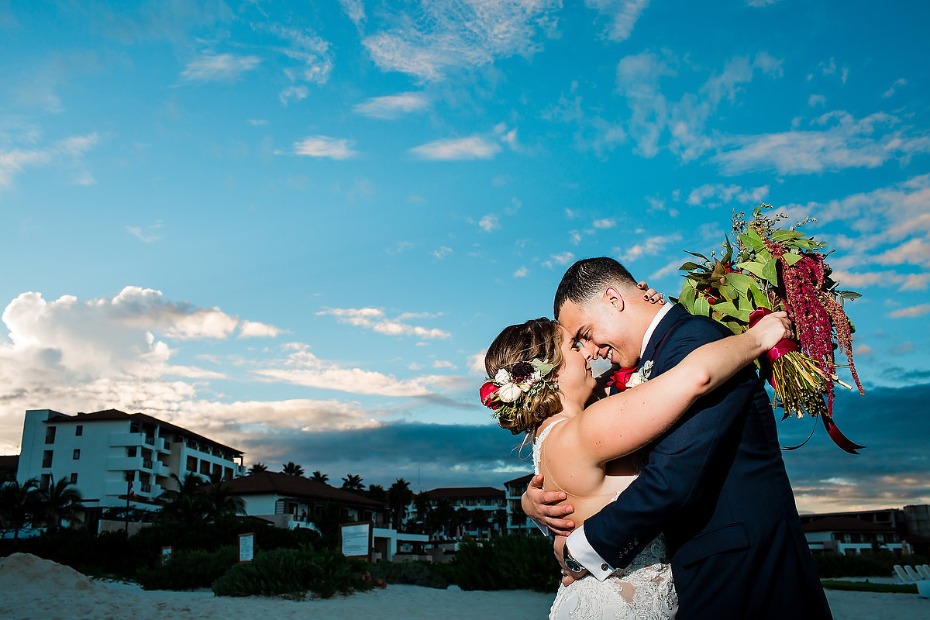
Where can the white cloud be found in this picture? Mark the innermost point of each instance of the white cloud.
(816, 101)
(393, 106)
(218, 67)
(717, 194)
(293, 93)
(254, 329)
(604, 224)
(650, 247)
(69, 150)
(355, 9)
(522, 272)
(843, 142)
(761, 3)
(911, 312)
(653, 115)
(473, 147)
(442, 252)
(375, 320)
(453, 34)
(561, 259)
(621, 14)
(893, 88)
(444, 365)
(149, 234)
(324, 146)
(489, 223)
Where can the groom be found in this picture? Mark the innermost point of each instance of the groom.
(715, 484)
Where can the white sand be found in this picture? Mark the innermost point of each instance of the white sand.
(32, 589)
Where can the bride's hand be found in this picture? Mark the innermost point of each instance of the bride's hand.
(651, 295)
(772, 329)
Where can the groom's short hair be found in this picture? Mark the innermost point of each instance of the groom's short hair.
(587, 278)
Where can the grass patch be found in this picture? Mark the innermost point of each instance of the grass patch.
(861, 586)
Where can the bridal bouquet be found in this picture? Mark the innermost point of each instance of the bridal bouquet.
(770, 269)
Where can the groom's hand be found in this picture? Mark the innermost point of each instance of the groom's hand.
(540, 506)
(558, 548)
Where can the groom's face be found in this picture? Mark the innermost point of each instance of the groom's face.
(602, 328)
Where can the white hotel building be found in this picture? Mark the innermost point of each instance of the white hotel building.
(112, 456)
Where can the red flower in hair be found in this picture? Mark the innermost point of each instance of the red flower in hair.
(488, 393)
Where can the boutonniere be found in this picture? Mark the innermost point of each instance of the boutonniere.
(630, 377)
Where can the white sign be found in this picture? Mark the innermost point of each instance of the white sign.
(246, 547)
(356, 540)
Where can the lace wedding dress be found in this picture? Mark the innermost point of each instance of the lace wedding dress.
(641, 591)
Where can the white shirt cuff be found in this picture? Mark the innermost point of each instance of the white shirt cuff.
(585, 554)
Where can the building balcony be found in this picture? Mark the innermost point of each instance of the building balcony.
(161, 446)
(127, 439)
(124, 463)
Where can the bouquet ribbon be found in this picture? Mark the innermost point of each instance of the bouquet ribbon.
(782, 348)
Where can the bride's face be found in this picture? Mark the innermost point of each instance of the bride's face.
(576, 381)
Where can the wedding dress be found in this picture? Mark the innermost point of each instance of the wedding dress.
(642, 591)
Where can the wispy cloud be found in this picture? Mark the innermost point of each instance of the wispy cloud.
(324, 146)
(254, 329)
(472, 147)
(393, 106)
(489, 223)
(836, 141)
(561, 259)
(717, 194)
(69, 150)
(450, 34)
(376, 320)
(650, 247)
(218, 67)
(911, 312)
(621, 16)
(149, 234)
(893, 88)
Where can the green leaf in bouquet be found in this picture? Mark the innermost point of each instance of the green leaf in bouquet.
(791, 259)
(687, 297)
(735, 327)
(752, 239)
(770, 272)
(707, 260)
(739, 281)
(850, 295)
(783, 235)
(726, 308)
(689, 266)
(753, 267)
(759, 299)
(701, 307)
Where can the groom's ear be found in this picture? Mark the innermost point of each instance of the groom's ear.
(614, 298)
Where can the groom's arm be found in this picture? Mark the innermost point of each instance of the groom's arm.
(676, 474)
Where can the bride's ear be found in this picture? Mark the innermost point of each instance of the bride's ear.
(613, 297)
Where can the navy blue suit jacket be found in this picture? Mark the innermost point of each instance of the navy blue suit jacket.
(716, 486)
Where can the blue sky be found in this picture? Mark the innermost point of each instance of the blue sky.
(296, 226)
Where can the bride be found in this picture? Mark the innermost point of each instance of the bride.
(541, 381)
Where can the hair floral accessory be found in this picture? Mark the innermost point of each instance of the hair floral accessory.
(504, 392)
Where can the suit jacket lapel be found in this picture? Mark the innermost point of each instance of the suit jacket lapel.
(661, 332)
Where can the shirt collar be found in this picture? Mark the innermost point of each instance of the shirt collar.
(652, 326)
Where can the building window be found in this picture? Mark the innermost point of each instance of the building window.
(78, 430)
(131, 451)
(73, 478)
(46, 481)
(205, 468)
(47, 458)
(50, 434)
(76, 456)
(192, 463)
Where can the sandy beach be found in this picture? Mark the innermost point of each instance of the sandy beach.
(35, 589)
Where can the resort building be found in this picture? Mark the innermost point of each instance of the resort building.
(517, 521)
(891, 529)
(480, 510)
(118, 459)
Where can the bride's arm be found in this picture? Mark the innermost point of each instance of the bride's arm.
(625, 422)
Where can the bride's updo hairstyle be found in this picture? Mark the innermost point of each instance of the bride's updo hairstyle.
(539, 339)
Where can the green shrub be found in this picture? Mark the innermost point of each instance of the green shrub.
(510, 562)
(413, 573)
(189, 569)
(879, 563)
(294, 573)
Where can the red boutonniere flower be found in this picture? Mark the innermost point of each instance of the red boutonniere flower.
(620, 378)
(488, 392)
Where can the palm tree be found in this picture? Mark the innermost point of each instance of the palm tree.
(424, 509)
(352, 482)
(292, 469)
(377, 493)
(257, 468)
(17, 502)
(221, 504)
(442, 518)
(399, 497)
(58, 502)
(319, 477)
(188, 503)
